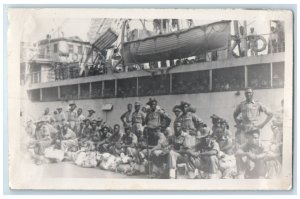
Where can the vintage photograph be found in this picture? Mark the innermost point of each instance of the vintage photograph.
(176, 98)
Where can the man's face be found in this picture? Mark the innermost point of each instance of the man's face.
(90, 113)
(127, 131)
(249, 94)
(99, 123)
(185, 108)
(87, 123)
(177, 113)
(129, 107)
(254, 139)
(79, 111)
(116, 129)
(153, 106)
(94, 124)
(251, 30)
(137, 107)
(59, 110)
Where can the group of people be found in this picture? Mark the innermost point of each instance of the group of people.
(149, 145)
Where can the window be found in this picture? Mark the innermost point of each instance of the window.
(109, 88)
(50, 94)
(96, 89)
(79, 49)
(154, 85)
(190, 82)
(278, 75)
(69, 92)
(55, 48)
(34, 95)
(259, 76)
(85, 90)
(71, 49)
(127, 87)
(228, 79)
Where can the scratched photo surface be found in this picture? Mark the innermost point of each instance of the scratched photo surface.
(150, 99)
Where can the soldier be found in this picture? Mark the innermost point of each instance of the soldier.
(59, 118)
(250, 111)
(250, 157)
(79, 121)
(115, 140)
(138, 120)
(127, 116)
(189, 120)
(72, 116)
(129, 143)
(68, 138)
(205, 157)
(178, 152)
(91, 115)
(153, 122)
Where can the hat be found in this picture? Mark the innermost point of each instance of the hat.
(151, 101)
(183, 104)
(137, 103)
(59, 108)
(177, 109)
(72, 104)
(214, 116)
(99, 119)
(91, 110)
(105, 127)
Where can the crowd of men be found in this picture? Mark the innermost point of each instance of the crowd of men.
(150, 146)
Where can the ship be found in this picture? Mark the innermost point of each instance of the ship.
(213, 81)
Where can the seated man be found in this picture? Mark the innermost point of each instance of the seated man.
(250, 158)
(104, 141)
(43, 139)
(205, 157)
(68, 138)
(115, 141)
(178, 153)
(129, 143)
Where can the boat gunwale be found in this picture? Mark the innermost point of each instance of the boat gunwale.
(176, 32)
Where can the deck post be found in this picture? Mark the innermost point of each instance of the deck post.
(90, 89)
(271, 74)
(78, 94)
(246, 76)
(41, 94)
(102, 90)
(210, 80)
(58, 93)
(116, 87)
(137, 86)
(171, 78)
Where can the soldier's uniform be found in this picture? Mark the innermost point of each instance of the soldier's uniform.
(138, 119)
(127, 118)
(250, 112)
(72, 117)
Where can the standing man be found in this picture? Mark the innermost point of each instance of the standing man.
(250, 111)
(127, 116)
(60, 117)
(72, 116)
(153, 121)
(138, 120)
(252, 41)
(79, 121)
